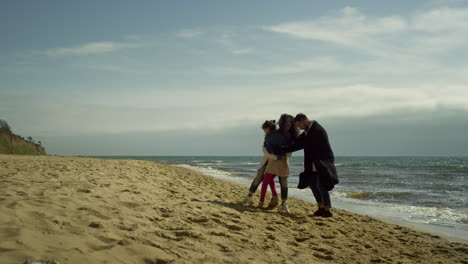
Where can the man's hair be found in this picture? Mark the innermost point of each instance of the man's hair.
(300, 117)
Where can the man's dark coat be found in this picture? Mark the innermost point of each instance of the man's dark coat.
(317, 151)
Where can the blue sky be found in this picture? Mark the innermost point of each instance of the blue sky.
(199, 77)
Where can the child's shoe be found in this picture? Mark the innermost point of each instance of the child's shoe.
(261, 204)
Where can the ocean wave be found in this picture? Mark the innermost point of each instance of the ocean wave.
(216, 172)
(206, 161)
(434, 215)
(417, 214)
(393, 165)
(365, 195)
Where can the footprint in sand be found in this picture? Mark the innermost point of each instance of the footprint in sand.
(9, 233)
(96, 225)
(169, 237)
(12, 205)
(101, 247)
(322, 224)
(126, 227)
(158, 261)
(133, 206)
(189, 233)
(323, 256)
(152, 244)
(224, 248)
(302, 239)
(325, 236)
(94, 212)
(233, 227)
(215, 233)
(200, 220)
(124, 242)
(292, 243)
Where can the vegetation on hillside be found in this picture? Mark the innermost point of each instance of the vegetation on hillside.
(14, 144)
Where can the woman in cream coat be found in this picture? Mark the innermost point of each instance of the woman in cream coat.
(273, 165)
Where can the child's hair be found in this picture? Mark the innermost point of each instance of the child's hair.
(271, 124)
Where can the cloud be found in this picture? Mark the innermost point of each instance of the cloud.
(189, 33)
(99, 47)
(243, 51)
(318, 64)
(88, 48)
(367, 100)
(402, 74)
(114, 68)
(189, 110)
(434, 30)
(229, 39)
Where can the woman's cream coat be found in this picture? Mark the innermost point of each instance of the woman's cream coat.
(278, 167)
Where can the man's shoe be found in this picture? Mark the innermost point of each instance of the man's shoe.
(318, 212)
(326, 213)
(248, 200)
(273, 203)
(261, 205)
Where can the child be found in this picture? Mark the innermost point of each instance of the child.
(269, 127)
(286, 134)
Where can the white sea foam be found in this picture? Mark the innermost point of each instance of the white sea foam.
(433, 215)
(415, 214)
(214, 172)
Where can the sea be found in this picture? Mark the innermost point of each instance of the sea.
(426, 193)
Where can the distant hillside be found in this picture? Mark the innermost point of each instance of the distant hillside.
(14, 144)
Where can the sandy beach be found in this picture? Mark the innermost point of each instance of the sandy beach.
(84, 210)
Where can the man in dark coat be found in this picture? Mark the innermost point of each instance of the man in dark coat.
(319, 162)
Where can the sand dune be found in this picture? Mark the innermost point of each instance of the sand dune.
(83, 210)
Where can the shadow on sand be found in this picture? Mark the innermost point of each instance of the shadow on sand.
(249, 208)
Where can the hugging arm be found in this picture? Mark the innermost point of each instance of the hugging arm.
(267, 146)
(269, 155)
(297, 145)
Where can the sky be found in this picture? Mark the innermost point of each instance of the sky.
(200, 77)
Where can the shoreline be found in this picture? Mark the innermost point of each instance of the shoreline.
(89, 210)
(449, 233)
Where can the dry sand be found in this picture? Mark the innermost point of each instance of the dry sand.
(83, 210)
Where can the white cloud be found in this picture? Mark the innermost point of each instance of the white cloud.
(243, 51)
(189, 33)
(233, 107)
(99, 47)
(229, 40)
(318, 64)
(88, 48)
(423, 32)
(402, 74)
(112, 68)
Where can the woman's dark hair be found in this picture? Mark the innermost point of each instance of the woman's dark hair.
(293, 131)
(271, 124)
